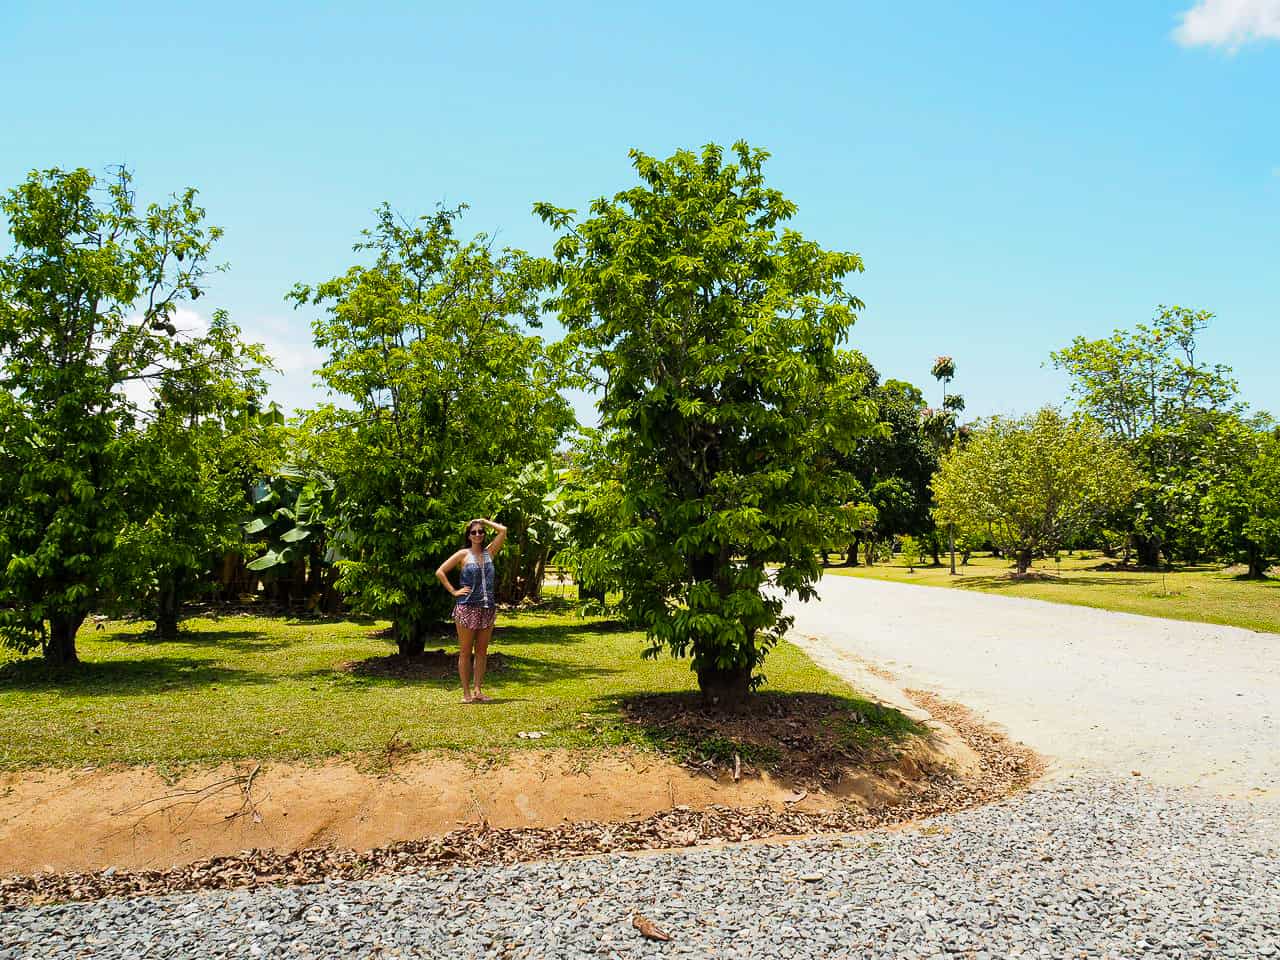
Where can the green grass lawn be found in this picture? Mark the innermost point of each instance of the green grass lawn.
(255, 687)
(1205, 594)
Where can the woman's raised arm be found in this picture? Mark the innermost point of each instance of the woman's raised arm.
(499, 539)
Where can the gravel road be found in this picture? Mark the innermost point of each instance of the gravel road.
(1074, 868)
(1182, 703)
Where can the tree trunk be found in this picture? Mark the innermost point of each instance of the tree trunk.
(951, 544)
(1257, 564)
(1148, 550)
(725, 689)
(167, 613)
(229, 576)
(870, 555)
(539, 575)
(60, 650)
(315, 568)
(851, 559)
(411, 639)
(1024, 561)
(298, 588)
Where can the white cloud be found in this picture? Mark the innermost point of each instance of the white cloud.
(1229, 23)
(289, 343)
(189, 322)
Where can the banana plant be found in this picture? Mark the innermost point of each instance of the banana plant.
(294, 518)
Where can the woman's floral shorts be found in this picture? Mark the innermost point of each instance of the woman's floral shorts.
(474, 618)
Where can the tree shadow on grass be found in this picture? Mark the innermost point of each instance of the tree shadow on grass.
(241, 641)
(152, 675)
(507, 634)
(1006, 582)
(556, 633)
(440, 668)
(281, 615)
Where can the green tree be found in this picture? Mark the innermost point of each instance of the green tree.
(911, 552)
(534, 531)
(88, 299)
(897, 450)
(1240, 509)
(448, 400)
(1032, 482)
(1136, 381)
(895, 507)
(1148, 388)
(715, 330)
(186, 473)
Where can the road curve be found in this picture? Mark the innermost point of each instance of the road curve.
(1189, 704)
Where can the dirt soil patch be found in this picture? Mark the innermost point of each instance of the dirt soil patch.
(815, 741)
(248, 826)
(428, 665)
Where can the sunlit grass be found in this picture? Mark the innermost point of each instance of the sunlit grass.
(1205, 594)
(256, 687)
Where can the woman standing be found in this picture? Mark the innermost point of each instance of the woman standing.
(476, 609)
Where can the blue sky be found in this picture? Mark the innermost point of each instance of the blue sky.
(1013, 174)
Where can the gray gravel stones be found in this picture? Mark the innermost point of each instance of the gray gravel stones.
(1076, 868)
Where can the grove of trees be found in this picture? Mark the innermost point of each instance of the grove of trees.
(742, 440)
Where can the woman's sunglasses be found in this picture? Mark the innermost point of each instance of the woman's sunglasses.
(475, 533)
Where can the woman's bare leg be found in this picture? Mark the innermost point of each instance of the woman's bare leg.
(482, 657)
(465, 638)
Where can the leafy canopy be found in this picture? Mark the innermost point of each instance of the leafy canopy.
(714, 332)
(88, 348)
(1032, 482)
(1136, 381)
(1149, 388)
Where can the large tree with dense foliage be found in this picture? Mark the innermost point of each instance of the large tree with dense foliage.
(715, 329)
(445, 401)
(1149, 388)
(1033, 482)
(88, 299)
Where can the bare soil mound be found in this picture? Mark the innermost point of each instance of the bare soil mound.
(812, 740)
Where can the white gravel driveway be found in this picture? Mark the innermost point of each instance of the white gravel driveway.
(1182, 703)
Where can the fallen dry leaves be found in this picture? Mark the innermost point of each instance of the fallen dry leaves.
(648, 929)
